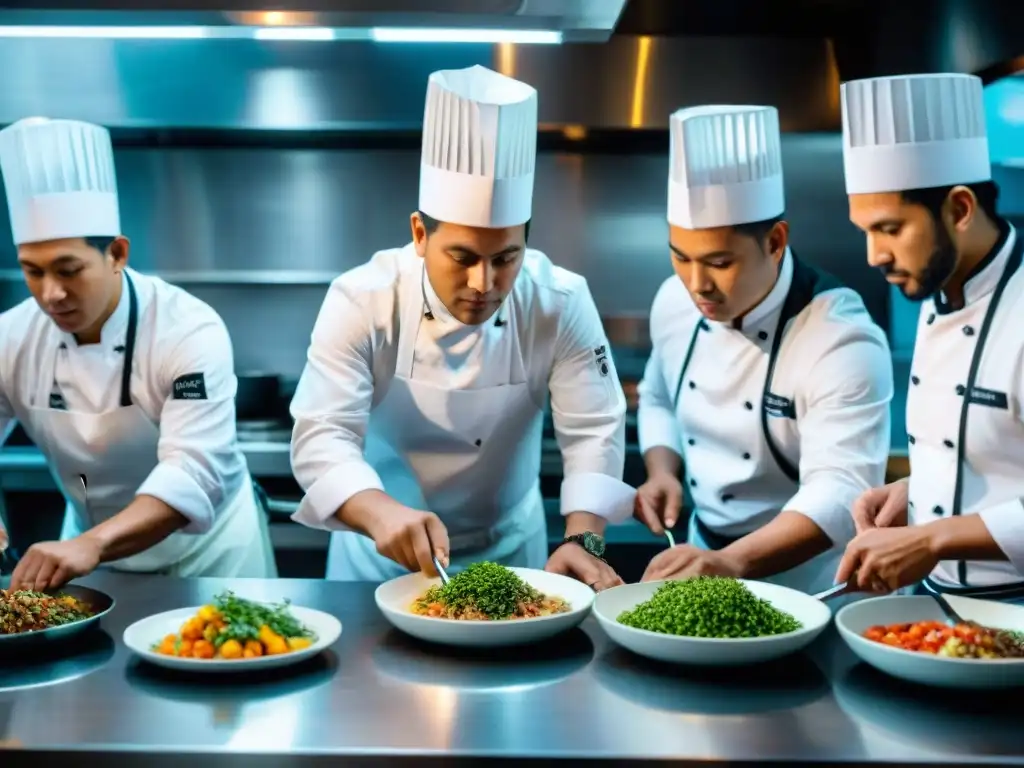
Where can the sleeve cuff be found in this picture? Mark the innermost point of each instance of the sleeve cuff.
(598, 494)
(176, 488)
(1005, 523)
(326, 495)
(657, 427)
(827, 505)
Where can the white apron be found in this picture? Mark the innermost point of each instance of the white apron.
(116, 451)
(470, 456)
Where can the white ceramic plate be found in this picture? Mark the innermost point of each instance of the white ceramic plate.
(396, 596)
(706, 651)
(925, 668)
(141, 636)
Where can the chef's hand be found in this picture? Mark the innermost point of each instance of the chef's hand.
(411, 538)
(4, 541)
(685, 560)
(881, 507)
(574, 561)
(52, 564)
(658, 502)
(885, 559)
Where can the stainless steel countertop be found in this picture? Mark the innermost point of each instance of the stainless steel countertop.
(378, 698)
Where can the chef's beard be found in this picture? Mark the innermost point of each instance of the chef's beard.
(936, 272)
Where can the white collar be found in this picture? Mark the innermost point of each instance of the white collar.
(113, 332)
(985, 276)
(770, 305)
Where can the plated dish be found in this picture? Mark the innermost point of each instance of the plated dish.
(907, 636)
(485, 605)
(710, 620)
(31, 618)
(232, 634)
(487, 592)
(234, 628)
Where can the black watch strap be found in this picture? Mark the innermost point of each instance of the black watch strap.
(591, 542)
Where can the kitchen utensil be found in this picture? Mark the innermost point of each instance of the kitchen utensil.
(440, 570)
(836, 591)
(141, 636)
(85, 495)
(394, 599)
(926, 668)
(812, 613)
(952, 617)
(671, 538)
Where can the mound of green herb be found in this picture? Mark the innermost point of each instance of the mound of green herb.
(708, 606)
(492, 589)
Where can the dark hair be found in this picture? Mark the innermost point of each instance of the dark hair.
(101, 244)
(932, 198)
(758, 229)
(431, 224)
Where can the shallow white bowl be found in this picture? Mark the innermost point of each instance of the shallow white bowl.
(395, 597)
(925, 668)
(141, 636)
(705, 651)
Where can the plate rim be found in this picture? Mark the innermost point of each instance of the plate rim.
(276, 660)
(79, 625)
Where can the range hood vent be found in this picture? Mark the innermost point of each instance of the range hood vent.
(561, 20)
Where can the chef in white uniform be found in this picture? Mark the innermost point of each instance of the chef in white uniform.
(919, 182)
(125, 383)
(768, 383)
(419, 415)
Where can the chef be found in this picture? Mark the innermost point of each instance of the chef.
(124, 382)
(768, 384)
(920, 186)
(418, 417)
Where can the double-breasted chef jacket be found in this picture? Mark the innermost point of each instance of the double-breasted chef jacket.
(397, 395)
(964, 421)
(764, 422)
(149, 410)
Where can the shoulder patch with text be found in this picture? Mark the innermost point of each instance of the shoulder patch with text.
(601, 356)
(191, 386)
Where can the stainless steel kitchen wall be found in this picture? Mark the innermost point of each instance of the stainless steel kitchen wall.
(260, 232)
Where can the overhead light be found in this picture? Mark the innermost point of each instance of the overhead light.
(294, 33)
(428, 35)
(150, 33)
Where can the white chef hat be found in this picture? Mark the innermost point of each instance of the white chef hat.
(725, 166)
(479, 148)
(60, 181)
(913, 132)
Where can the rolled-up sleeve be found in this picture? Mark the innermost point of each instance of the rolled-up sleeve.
(588, 409)
(1005, 524)
(200, 468)
(844, 433)
(656, 422)
(331, 409)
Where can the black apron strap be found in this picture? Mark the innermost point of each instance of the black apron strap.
(807, 283)
(1003, 592)
(129, 343)
(1013, 264)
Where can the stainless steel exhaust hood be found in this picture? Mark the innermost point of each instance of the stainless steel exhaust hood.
(559, 20)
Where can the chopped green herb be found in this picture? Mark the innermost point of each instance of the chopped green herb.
(492, 589)
(708, 606)
(244, 619)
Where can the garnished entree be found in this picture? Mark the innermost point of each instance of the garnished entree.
(487, 592)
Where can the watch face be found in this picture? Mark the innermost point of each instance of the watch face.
(593, 543)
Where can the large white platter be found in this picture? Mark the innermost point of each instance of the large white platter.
(395, 597)
(704, 651)
(925, 668)
(141, 636)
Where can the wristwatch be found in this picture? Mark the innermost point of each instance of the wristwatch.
(591, 542)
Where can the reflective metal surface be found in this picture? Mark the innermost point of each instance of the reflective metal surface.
(378, 698)
(591, 20)
(628, 82)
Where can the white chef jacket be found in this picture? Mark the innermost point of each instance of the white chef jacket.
(987, 448)
(833, 365)
(201, 468)
(352, 360)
